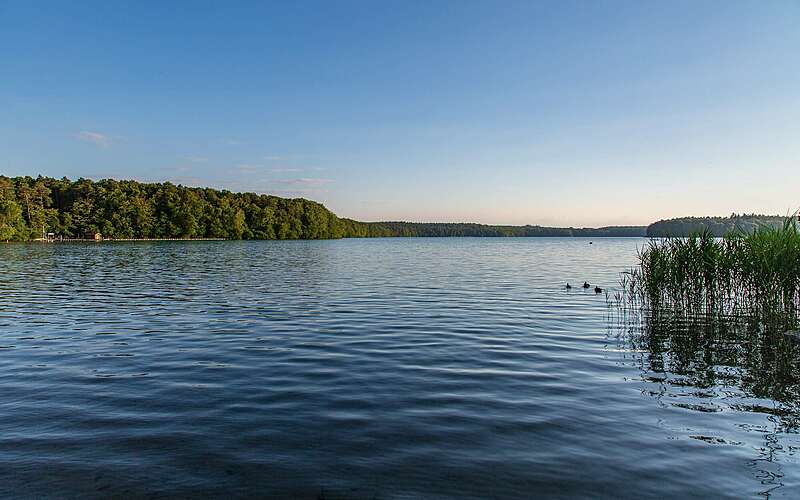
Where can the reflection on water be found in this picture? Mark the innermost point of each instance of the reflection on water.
(722, 367)
(396, 368)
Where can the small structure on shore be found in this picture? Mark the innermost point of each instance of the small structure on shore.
(93, 235)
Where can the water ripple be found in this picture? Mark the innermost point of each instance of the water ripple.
(403, 368)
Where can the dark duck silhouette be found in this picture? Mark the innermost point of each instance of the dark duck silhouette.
(597, 289)
(586, 285)
(569, 287)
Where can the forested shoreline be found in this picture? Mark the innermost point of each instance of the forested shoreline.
(31, 207)
(445, 229)
(718, 226)
(123, 209)
(129, 209)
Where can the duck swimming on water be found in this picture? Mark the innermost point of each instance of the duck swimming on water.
(586, 285)
(569, 287)
(597, 289)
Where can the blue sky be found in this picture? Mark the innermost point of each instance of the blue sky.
(561, 113)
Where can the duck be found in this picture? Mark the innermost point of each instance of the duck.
(569, 287)
(586, 285)
(597, 289)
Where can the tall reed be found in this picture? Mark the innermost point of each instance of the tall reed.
(753, 274)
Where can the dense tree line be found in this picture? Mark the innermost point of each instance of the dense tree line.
(435, 229)
(129, 209)
(31, 207)
(719, 226)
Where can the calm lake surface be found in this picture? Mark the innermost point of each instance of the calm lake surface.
(383, 368)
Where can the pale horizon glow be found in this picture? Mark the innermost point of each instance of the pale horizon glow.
(557, 113)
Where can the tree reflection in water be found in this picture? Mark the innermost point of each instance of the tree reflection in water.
(721, 365)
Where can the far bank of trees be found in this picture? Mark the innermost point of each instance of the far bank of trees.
(31, 207)
(131, 209)
(718, 226)
(437, 229)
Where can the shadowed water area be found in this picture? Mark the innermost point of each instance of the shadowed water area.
(381, 368)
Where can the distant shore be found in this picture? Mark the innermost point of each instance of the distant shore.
(112, 240)
(85, 210)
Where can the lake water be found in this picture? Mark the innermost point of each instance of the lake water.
(383, 368)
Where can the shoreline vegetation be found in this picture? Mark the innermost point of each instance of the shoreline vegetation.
(33, 208)
(744, 274)
(717, 226)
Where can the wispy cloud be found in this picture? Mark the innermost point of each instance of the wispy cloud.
(195, 159)
(305, 181)
(95, 138)
(302, 193)
(252, 167)
(302, 186)
(291, 158)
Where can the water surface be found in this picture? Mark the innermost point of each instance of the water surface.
(381, 368)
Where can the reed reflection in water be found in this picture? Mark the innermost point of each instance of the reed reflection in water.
(715, 373)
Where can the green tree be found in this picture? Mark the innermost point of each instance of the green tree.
(12, 225)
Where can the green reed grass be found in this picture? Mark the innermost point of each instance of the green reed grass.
(753, 274)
